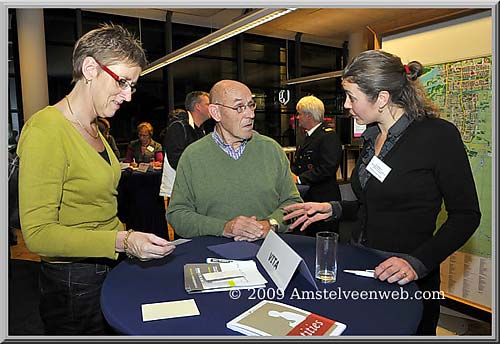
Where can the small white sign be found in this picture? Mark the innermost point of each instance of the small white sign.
(143, 167)
(284, 96)
(378, 168)
(358, 129)
(280, 261)
(150, 148)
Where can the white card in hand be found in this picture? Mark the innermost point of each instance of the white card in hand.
(179, 241)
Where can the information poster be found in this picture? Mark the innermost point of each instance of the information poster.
(358, 129)
(462, 91)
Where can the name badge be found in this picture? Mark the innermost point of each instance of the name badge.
(378, 169)
(150, 148)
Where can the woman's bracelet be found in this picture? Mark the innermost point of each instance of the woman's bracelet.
(125, 243)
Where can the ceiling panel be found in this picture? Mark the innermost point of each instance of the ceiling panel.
(338, 23)
(329, 26)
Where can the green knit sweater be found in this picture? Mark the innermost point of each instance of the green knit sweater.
(211, 188)
(67, 191)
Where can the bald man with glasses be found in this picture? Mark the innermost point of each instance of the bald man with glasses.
(234, 182)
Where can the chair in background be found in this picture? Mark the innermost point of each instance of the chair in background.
(171, 231)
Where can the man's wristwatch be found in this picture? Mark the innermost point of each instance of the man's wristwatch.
(274, 224)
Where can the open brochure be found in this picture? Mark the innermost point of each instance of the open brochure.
(210, 277)
(270, 318)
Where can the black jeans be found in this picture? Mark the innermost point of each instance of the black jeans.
(70, 297)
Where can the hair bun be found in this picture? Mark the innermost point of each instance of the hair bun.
(414, 70)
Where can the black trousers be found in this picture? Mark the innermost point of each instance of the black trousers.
(70, 298)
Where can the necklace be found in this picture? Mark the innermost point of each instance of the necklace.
(78, 121)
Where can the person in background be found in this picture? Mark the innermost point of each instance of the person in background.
(410, 163)
(174, 115)
(104, 128)
(233, 182)
(68, 176)
(144, 149)
(317, 159)
(184, 129)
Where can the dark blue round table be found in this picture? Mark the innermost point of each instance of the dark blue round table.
(140, 206)
(133, 283)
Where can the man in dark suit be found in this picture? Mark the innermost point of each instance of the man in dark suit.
(317, 159)
(187, 127)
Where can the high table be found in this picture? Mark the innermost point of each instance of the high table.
(133, 283)
(139, 205)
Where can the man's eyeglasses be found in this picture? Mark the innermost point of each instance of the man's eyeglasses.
(122, 83)
(240, 108)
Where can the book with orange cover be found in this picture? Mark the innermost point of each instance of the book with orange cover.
(271, 318)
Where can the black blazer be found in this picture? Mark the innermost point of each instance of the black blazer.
(179, 135)
(316, 164)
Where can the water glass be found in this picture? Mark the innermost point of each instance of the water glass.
(326, 256)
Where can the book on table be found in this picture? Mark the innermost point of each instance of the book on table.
(271, 318)
(211, 277)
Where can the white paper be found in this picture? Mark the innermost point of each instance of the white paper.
(170, 309)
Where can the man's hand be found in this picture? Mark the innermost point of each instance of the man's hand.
(243, 228)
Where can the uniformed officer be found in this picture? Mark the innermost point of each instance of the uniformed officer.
(317, 159)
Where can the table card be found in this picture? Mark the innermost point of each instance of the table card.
(281, 261)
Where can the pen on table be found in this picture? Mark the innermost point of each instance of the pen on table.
(364, 273)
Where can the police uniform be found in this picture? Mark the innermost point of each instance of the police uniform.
(316, 163)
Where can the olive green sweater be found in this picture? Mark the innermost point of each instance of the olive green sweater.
(67, 191)
(211, 188)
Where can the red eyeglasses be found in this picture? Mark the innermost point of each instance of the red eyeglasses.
(122, 83)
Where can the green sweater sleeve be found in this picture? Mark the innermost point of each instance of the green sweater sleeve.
(57, 219)
(288, 190)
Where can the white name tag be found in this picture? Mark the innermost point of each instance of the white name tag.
(280, 261)
(378, 168)
(150, 148)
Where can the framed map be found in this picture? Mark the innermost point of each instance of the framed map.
(462, 91)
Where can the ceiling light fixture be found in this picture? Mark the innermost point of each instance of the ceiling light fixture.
(253, 19)
(310, 78)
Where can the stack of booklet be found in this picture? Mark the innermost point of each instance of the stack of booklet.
(270, 318)
(210, 277)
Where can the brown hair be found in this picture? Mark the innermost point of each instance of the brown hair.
(376, 70)
(109, 44)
